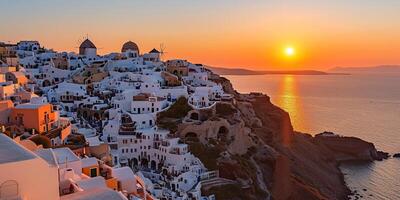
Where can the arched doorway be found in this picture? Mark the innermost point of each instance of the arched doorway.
(194, 116)
(9, 189)
(191, 137)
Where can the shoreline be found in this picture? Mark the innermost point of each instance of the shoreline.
(283, 73)
(247, 72)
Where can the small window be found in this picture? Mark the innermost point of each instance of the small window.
(93, 172)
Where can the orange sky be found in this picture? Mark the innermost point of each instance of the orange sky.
(223, 33)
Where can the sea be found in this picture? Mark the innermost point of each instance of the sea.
(361, 105)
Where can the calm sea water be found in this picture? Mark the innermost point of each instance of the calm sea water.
(362, 105)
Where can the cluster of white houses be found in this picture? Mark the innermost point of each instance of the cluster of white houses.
(99, 114)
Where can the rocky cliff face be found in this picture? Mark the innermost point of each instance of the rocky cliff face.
(252, 142)
(350, 148)
(303, 169)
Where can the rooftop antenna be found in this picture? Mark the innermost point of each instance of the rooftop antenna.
(162, 50)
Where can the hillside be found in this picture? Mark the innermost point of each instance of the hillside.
(371, 69)
(240, 71)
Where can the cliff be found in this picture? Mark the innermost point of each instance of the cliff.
(251, 142)
(350, 148)
(304, 169)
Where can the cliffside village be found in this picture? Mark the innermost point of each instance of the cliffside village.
(84, 126)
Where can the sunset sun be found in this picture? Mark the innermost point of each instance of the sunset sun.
(289, 51)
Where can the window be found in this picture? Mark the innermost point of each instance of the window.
(93, 172)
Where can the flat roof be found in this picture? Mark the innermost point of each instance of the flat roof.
(92, 183)
(10, 151)
(88, 162)
(64, 155)
(29, 106)
(47, 155)
(95, 194)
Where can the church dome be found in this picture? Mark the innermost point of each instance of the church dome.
(87, 44)
(130, 46)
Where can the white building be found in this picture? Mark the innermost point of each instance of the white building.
(88, 49)
(130, 49)
(24, 175)
(28, 45)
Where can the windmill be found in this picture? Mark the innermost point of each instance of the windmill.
(79, 42)
(162, 51)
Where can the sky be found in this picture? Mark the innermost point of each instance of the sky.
(249, 34)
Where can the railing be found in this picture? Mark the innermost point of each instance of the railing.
(126, 133)
(209, 175)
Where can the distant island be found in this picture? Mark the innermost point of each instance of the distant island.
(240, 71)
(369, 69)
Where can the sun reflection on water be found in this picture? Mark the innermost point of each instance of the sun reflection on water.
(288, 99)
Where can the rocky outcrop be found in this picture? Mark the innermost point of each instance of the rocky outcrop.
(396, 155)
(303, 169)
(349, 148)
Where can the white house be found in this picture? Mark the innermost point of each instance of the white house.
(24, 175)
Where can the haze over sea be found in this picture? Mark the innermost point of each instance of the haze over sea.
(361, 105)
